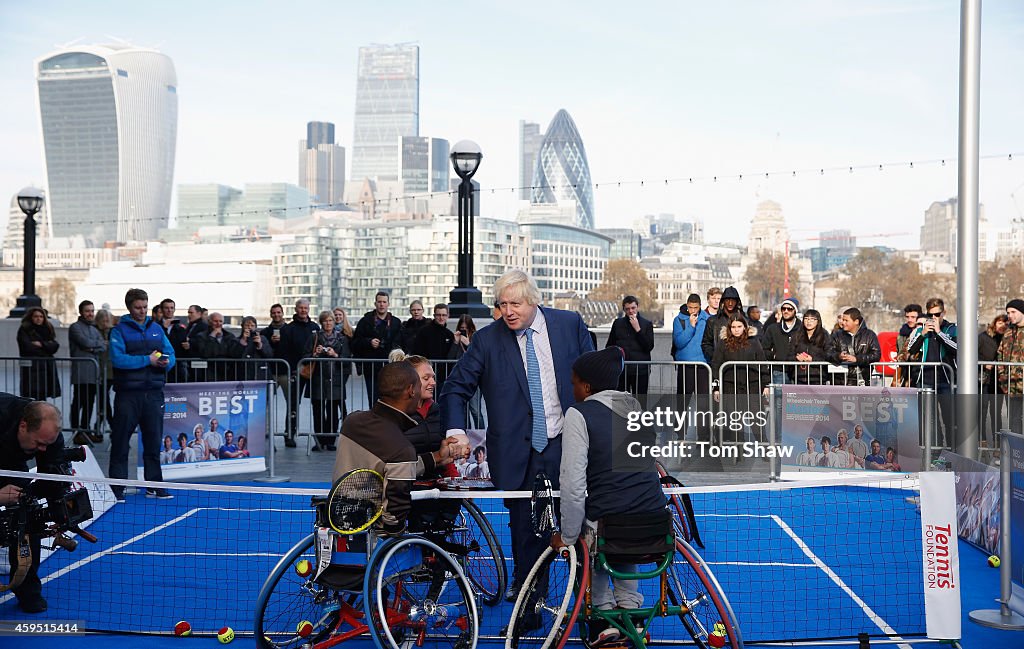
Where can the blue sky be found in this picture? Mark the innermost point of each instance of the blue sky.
(658, 90)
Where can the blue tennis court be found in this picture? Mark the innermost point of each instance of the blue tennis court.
(807, 563)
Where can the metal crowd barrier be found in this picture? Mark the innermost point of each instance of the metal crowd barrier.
(76, 386)
(1001, 401)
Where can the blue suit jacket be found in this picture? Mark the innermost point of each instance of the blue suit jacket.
(494, 364)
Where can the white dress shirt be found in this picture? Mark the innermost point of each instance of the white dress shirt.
(553, 418)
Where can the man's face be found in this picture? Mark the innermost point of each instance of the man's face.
(167, 310)
(416, 311)
(228, 437)
(579, 388)
(36, 441)
(479, 455)
(167, 442)
(194, 314)
(631, 309)
(858, 431)
(516, 312)
(1014, 316)
(842, 439)
(89, 312)
(848, 324)
(810, 445)
(693, 308)
(381, 305)
(826, 446)
(911, 318)
(755, 314)
(729, 304)
(277, 315)
(213, 425)
(935, 314)
(302, 310)
(876, 448)
(139, 309)
(417, 397)
(714, 300)
(788, 313)
(216, 321)
(441, 316)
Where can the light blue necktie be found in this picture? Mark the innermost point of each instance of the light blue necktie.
(539, 434)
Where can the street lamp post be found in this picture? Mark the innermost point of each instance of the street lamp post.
(466, 298)
(30, 200)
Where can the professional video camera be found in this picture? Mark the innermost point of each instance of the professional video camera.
(49, 508)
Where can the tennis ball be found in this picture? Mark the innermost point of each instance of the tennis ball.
(226, 635)
(303, 568)
(994, 561)
(182, 629)
(304, 628)
(716, 638)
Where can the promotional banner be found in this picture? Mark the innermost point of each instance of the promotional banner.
(1017, 523)
(213, 429)
(850, 428)
(977, 501)
(941, 555)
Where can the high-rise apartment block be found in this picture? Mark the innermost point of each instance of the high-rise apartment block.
(938, 234)
(387, 108)
(109, 117)
(530, 138)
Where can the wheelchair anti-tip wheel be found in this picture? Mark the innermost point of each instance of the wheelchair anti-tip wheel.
(416, 594)
(550, 600)
(290, 597)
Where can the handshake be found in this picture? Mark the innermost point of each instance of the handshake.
(452, 448)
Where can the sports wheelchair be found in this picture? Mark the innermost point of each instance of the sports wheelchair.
(342, 581)
(557, 592)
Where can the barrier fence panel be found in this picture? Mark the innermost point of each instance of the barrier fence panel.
(1001, 404)
(76, 386)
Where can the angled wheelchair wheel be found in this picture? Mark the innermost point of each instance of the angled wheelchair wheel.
(708, 617)
(484, 564)
(417, 595)
(288, 599)
(550, 601)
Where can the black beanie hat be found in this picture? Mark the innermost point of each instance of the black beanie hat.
(1016, 304)
(601, 369)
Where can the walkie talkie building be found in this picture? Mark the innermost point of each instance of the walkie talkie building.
(109, 116)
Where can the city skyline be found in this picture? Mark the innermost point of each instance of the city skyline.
(685, 92)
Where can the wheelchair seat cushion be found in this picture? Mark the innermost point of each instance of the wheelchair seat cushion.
(636, 538)
(342, 577)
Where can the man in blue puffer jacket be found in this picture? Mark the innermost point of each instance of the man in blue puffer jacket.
(141, 356)
(687, 334)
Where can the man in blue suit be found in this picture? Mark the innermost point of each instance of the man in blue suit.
(522, 363)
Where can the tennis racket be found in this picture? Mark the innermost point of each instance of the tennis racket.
(356, 501)
(542, 507)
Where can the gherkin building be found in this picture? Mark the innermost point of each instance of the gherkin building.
(562, 171)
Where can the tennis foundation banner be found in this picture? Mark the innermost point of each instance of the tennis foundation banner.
(1017, 522)
(850, 428)
(213, 429)
(939, 540)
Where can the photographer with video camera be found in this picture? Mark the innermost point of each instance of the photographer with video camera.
(29, 429)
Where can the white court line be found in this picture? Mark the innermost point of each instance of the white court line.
(761, 563)
(102, 553)
(838, 581)
(184, 555)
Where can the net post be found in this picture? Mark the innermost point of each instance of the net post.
(1004, 617)
(928, 423)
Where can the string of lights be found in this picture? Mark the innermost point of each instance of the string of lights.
(386, 204)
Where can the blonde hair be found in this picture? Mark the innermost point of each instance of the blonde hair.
(347, 327)
(520, 284)
(396, 355)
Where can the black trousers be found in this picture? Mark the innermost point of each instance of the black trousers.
(635, 379)
(526, 546)
(82, 405)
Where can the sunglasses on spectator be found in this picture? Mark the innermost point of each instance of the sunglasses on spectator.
(935, 315)
(788, 308)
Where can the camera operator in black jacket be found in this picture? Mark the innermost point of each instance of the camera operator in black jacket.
(28, 429)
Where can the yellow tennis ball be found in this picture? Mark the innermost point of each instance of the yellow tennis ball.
(303, 568)
(994, 561)
(226, 635)
(304, 628)
(716, 638)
